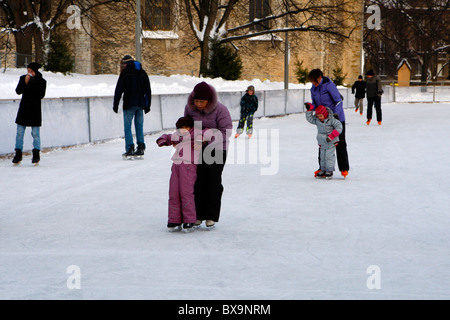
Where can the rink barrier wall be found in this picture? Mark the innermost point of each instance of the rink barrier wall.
(82, 120)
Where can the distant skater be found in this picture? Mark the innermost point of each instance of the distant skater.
(360, 87)
(249, 105)
(374, 92)
(32, 87)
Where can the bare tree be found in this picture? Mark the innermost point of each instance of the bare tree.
(417, 29)
(209, 19)
(32, 21)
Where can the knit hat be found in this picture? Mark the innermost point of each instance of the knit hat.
(127, 58)
(185, 122)
(360, 77)
(370, 73)
(250, 88)
(322, 110)
(203, 91)
(34, 66)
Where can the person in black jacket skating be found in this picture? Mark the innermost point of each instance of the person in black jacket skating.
(32, 87)
(134, 84)
(360, 88)
(249, 105)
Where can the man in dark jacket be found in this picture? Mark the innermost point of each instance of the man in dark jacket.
(360, 88)
(374, 92)
(32, 87)
(134, 84)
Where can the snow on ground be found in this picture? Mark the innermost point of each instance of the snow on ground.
(380, 234)
(79, 85)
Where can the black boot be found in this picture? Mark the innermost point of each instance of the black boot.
(18, 157)
(140, 149)
(36, 157)
(130, 153)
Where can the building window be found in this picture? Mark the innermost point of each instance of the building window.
(259, 9)
(157, 14)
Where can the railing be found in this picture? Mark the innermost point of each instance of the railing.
(73, 121)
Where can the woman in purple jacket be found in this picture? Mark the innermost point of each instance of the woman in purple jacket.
(324, 92)
(208, 113)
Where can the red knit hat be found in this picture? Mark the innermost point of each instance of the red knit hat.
(203, 91)
(322, 110)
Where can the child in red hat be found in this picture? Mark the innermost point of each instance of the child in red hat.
(328, 130)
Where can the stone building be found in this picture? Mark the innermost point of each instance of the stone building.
(169, 45)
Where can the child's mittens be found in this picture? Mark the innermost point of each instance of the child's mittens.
(309, 106)
(332, 135)
(161, 142)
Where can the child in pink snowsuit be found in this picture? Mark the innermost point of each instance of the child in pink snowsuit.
(184, 175)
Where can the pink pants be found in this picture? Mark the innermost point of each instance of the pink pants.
(181, 193)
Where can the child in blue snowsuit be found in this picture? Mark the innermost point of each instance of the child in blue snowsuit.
(328, 130)
(249, 105)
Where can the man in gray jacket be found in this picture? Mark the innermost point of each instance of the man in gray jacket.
(374, 92)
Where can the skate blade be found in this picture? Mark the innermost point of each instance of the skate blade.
(189, 230)
(16, 164)
(139, 157)
(127, 158)
(210, 228)
(175, 229)
(35, 164)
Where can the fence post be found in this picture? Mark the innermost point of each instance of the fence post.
(88, 102)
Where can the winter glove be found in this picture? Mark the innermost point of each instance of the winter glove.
(116, 109)
(332, 135)
(161, 142)
(309, 106)
(146, 110)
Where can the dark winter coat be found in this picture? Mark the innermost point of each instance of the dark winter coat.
(360, 88)
(215, 117)
(327, 94)
(30, 114)
(249, 104)
(374, 87)
(134, 84)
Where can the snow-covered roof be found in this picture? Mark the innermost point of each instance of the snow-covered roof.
(402, 62)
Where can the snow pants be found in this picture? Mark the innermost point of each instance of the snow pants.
(327, 158)
(181, 193)
(245, 117)
(341, 152)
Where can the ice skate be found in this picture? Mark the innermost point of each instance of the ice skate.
(188, 227)
(320, 174)
(316, 172)
(328, 175)
(139, 153)
(197, 224)
(174, 227)
(210, 224)
(129, 154)
(17, 158)
(368, 121)
(36, 157)
(379, 123)
(344, 173)
(237, 135)
(249, 135)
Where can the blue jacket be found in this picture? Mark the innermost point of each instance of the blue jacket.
(327, 95)
(134, 84)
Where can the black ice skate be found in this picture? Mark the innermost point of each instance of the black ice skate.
(328, 175)
(129, 154)
(188, 227)
(18, 157)
(174, 227)
(36, 157)
(139, 153)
